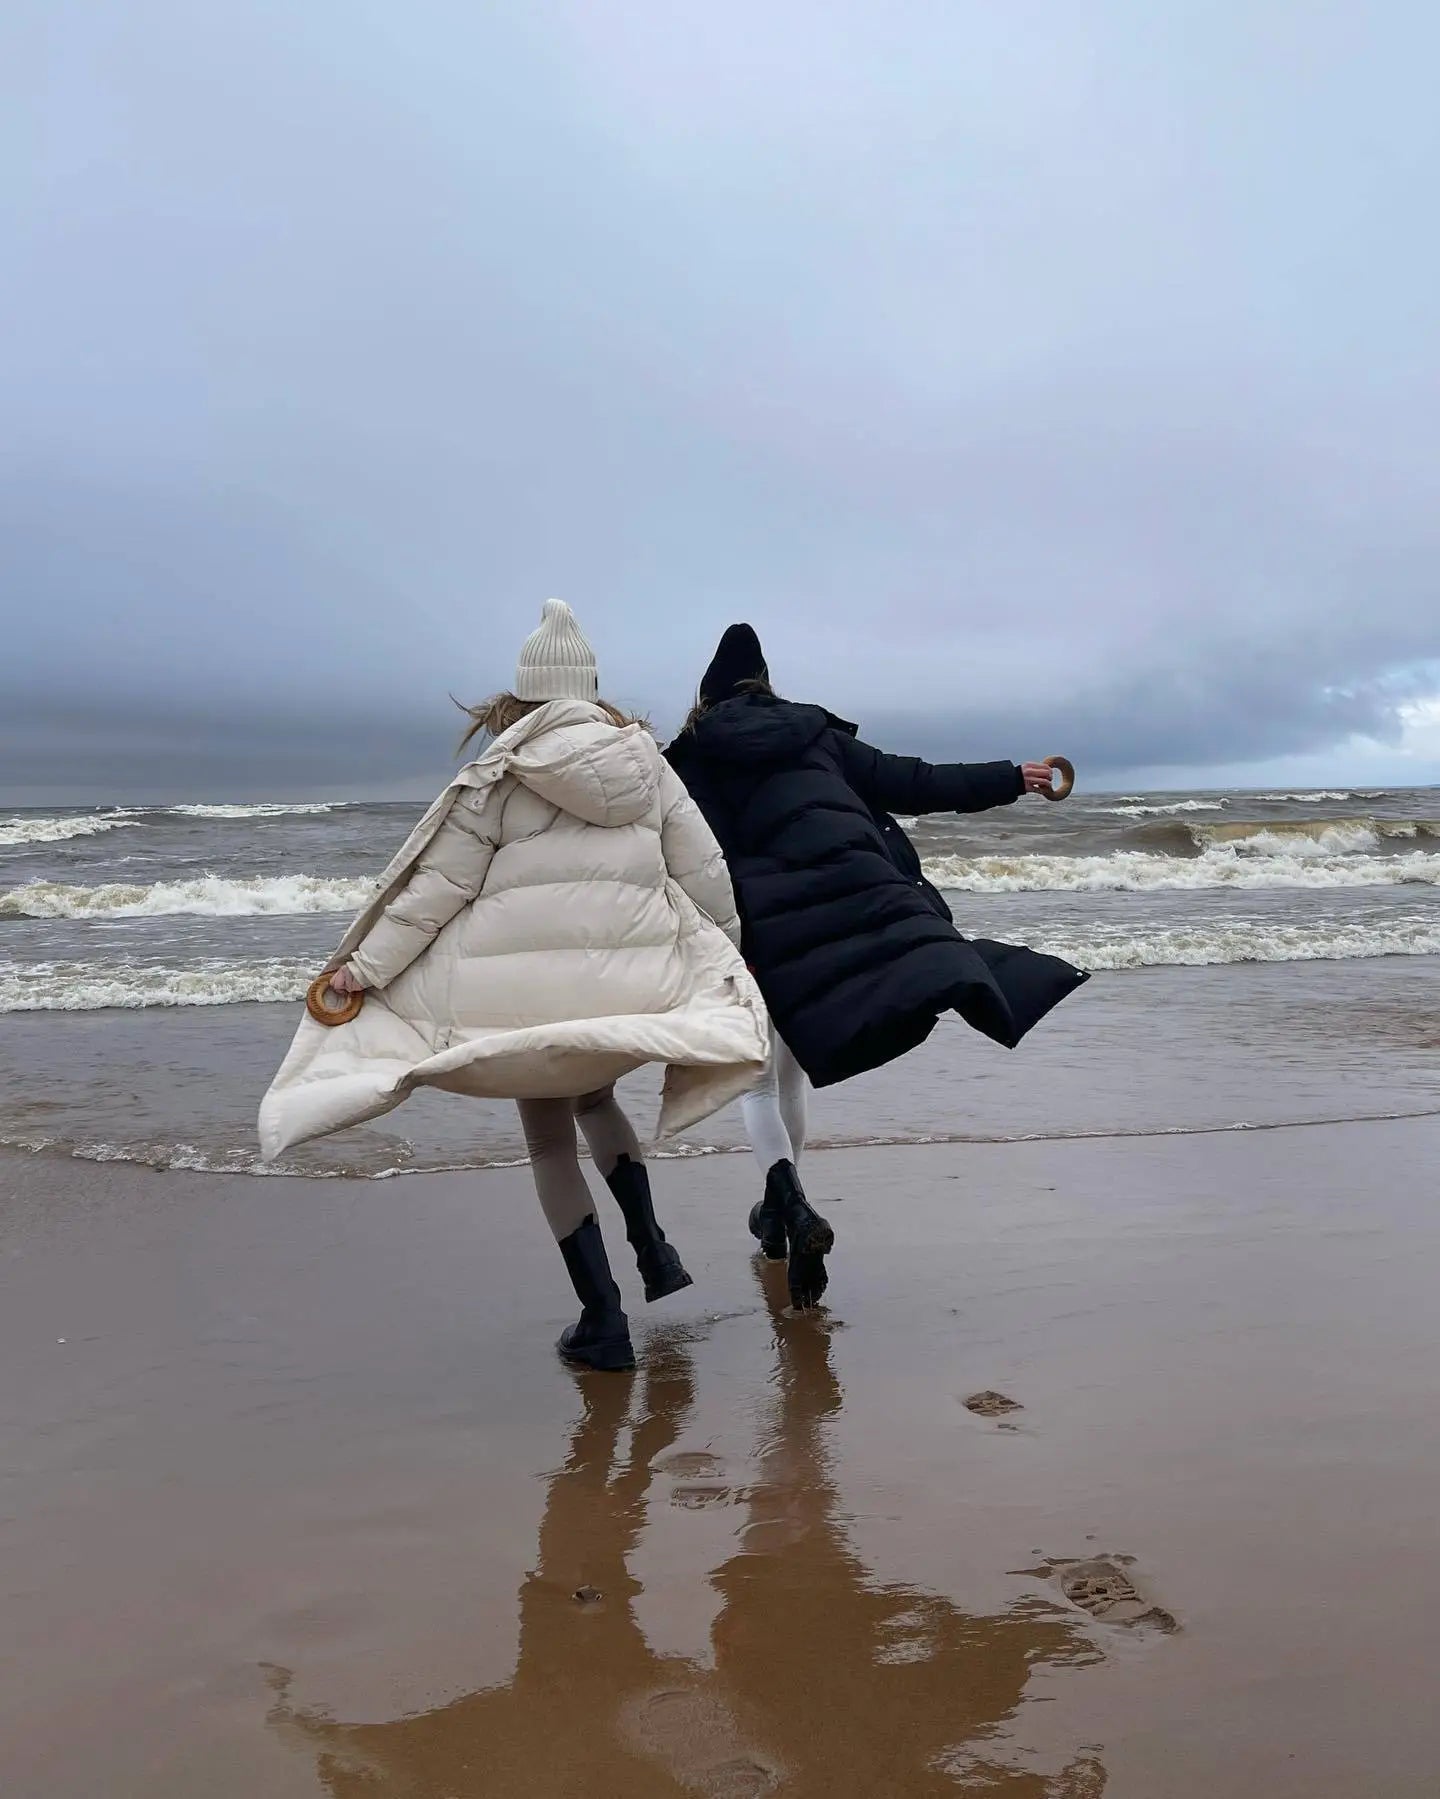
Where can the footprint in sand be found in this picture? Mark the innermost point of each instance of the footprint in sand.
(694, 1734)
(1103, 1586)
(702, 1483)
(738, 1779)
(690, 1462)
(990, 1404)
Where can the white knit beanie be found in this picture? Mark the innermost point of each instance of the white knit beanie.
(556, 663)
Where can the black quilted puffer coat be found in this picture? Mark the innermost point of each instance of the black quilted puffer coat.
(855, 952)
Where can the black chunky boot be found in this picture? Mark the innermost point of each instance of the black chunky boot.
(601, 1337)
(809, 1236)
(658, 1261)
(767, 1222)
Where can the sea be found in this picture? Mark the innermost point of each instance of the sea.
(1260, 958)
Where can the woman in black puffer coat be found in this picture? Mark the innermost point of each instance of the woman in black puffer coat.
(854, 950)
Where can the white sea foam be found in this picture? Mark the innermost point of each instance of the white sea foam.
(182, 1157)
(15, 831)
(95, 986)
(1218, 865)
(1315, 837)
(261, 809)
(1137, 810)
(1345, 837)
(210, 896)
(219, 1159)
(1320, 795)
(190, 1157)
(1217, 941)
(83, 986)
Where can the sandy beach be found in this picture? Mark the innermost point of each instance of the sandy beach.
(298, 1501)
(534, 512)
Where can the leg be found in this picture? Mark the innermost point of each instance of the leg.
(764, 1120)
(784, 1220)
(549, 1127)
(770, 1140)
(794, 1097)
(616, 1150)
(601, 1338)
(607, 1130)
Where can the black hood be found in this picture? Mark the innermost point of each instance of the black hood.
(755, 727)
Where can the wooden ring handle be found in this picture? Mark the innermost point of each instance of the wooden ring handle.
(1065, 768)
(326, 1006)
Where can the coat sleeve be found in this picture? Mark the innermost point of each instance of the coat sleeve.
(449, 874)
(906, 784)
(692, 855)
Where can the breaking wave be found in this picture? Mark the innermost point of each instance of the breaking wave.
(1326, 836)
(97, 986)
(262, 809)
(1255, 865)
(1135, 809)
(15, 831)
(210, 896)
(1293, 837)
(1321, 795)
(1220, 941)
(84, 986)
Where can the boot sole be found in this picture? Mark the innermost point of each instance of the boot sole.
(604, 1358)
(808, 1277)
(674, 1282)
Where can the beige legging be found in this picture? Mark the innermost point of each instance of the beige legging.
(549, 1127)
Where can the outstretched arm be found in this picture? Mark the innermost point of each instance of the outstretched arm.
(906, 784)
(692, 855)
(448, 876)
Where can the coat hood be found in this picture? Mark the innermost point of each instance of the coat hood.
(601, 773)
(754, 727)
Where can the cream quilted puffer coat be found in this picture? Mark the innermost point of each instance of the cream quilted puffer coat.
(560, 917)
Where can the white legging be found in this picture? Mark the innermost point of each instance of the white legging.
(775, 1108)
(549, 1127)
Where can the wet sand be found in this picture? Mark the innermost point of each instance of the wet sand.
(297, 1501)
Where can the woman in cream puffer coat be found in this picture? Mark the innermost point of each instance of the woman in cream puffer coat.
(560, 917)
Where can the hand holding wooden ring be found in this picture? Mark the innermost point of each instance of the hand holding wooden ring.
(327, 1007)
(1065, 768)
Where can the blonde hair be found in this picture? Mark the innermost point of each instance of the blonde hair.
(502, 710)
(702, 706)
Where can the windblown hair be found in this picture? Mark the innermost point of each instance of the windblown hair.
(502, 710)
(702, 706)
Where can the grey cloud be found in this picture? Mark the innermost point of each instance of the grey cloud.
(1023, 378)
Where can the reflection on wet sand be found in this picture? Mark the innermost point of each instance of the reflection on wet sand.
(825, 1682)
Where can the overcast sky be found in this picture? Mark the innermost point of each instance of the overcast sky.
(1033, 377)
